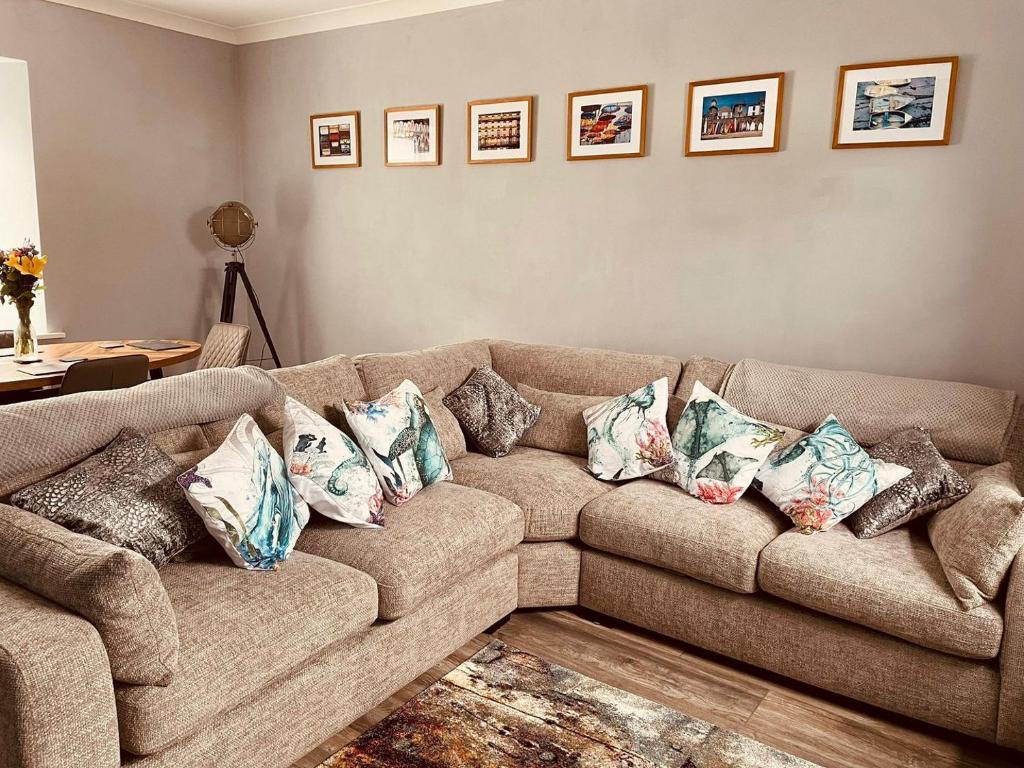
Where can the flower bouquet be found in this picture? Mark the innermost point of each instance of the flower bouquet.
(21, 274)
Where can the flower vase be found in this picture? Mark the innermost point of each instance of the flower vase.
(26, 345)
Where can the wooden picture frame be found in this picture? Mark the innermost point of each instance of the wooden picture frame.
(577, 118)
(895, 92)
(516, 109)
(426, 134)
(764, 117)
(321, 161)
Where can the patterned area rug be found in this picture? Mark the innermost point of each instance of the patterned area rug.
(508, 709)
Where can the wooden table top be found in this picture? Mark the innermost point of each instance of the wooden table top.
(12, 379)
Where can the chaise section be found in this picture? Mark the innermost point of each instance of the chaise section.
(550, 488)
(949, 691)
(661, 524)
(238, 630)
(893, 583)
(444, 532)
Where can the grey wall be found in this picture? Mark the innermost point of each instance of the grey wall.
(893, 260)
(136, 137)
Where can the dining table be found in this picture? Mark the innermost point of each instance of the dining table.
(18, 377)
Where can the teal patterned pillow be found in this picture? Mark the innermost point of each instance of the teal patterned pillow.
(825, 477)
(399, 438)
(718, 450)
(627, 436)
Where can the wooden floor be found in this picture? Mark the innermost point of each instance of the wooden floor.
(829, 730)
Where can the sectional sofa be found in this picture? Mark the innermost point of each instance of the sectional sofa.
(264, 666)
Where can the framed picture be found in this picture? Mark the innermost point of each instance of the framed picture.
(500, 130)
(335, 141)
(735, 115)
(608, 123)
(895, 103)
(412, 135)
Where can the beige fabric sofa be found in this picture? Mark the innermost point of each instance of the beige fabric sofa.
(269, 665)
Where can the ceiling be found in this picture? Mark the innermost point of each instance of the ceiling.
(250, 21)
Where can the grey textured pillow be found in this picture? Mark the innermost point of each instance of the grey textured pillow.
(125, 495)
(933, 485)
(493, 414)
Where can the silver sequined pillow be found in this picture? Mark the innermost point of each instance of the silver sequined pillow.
(493, 414)
(932, 485)
(125, 495)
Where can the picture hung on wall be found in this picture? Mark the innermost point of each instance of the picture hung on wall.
(500, 130)
(607, 123)
(735, 115)
(412, 135)
(335, 140)
(895, 103)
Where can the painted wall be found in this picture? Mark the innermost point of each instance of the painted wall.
(891, 260)
(136, 138)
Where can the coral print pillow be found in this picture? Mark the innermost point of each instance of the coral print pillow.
(400, 440)
(627, 436)
(328, 470)
(242, 493)
(825, 477)
(718, 450)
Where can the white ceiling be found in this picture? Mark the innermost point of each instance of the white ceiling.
(250, 21)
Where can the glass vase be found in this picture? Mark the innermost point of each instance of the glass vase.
(26, 345)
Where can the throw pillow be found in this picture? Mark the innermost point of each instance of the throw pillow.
(400, 440)
(560, 426)
(242, 493)
(124, 495)
(328, 470)
(447, 425)
(493, 414)
(717, 449)
(978, 537)
(824, 477)
(934, 485)
(627, 436)
(117, 590)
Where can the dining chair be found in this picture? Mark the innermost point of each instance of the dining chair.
(105, 373)
(225, 347)
(6, 339)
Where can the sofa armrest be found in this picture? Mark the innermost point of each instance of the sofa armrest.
(56, 693)
(1010, 730)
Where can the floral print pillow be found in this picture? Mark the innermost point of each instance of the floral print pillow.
(825, 477)
(627, 436)
(400, 440)
(242, 493)
(328, 470)
(718, 450)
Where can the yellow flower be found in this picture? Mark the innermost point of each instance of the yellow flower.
(27, 265)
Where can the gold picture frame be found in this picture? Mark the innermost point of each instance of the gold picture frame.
(588, 112)
(740, 134)
(512, 141)
(888, 99)
(335, 139)
(417, 141)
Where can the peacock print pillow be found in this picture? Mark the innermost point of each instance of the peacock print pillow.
(627, 436)
(399, 438)
(718, 450)
(825, 477)
(328, 470)
(242, 493)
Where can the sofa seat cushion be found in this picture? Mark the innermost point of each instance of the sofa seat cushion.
(892, 583)
(238, 630)
(444, 532)
(663, 525)
(550, 488)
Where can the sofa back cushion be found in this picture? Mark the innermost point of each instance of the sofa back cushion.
(117, 590)
(560, 426)
(42, 437)
(580, 371)
(966, 422)
(436, 372)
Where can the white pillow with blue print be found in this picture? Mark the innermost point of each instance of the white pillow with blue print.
(825, 477)
(242, 493)
(328, 470)
(627, 436)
